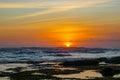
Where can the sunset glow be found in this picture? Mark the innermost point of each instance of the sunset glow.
(68, 44)
(90, 23)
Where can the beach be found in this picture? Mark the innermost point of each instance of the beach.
(59, 71)
(59, 63)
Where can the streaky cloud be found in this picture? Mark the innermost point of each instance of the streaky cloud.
(53, 7)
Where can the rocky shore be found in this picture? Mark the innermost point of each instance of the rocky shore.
(92, 69)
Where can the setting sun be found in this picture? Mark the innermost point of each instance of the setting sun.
(67, 44)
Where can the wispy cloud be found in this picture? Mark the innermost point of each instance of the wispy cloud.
(52, 6)
(20, 5)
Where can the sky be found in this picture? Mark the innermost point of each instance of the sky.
(54, 23)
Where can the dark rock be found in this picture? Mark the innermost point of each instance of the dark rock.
(4, 74)
(80, 63)
(114, 60)
(108, 72)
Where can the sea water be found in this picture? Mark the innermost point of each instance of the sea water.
(54, 54)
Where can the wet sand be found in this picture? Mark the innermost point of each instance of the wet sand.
(117, 76)
(12, 65)
(88, 74)
(4, 78)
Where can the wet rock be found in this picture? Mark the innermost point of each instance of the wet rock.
(80, 63)
(109, 72)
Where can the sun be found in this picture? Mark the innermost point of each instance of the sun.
(68, 44)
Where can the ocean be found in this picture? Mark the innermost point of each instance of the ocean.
(54, 54)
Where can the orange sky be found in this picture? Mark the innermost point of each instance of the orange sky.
(89, 23)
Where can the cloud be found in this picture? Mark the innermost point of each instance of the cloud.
(52, 6)
(19, 5)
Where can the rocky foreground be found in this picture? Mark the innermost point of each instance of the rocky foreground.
(92, 69)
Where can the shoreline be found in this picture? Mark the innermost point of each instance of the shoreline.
(115, 60)
(56, 70)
